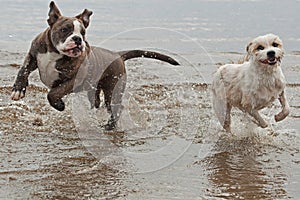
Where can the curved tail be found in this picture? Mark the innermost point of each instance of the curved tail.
(126, 55)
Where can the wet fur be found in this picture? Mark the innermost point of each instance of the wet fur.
(66, 66)
(252, 85)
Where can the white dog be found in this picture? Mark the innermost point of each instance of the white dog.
(252, 85)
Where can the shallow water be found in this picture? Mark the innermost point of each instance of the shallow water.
(169, 144)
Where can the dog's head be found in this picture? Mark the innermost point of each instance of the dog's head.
(68, 33)
(266, 50)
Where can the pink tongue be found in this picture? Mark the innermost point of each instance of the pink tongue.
(75, 52)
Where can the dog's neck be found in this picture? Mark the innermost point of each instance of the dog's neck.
(265, 76)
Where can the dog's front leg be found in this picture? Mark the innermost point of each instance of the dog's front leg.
(261, 122)
(19, 88)
(285, 108)
(56, 94)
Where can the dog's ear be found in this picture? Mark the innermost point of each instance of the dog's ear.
(53, 14)
(248, 50)
(85, 17)
(248, 54)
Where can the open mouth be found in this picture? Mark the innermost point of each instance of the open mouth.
(74, 50)
(270, 61)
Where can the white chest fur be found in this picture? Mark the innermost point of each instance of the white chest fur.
(264, 88)
(46, 65)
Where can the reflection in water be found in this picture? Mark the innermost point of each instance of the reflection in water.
(80, 178)
(237, 171)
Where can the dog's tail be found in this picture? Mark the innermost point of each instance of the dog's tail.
(126, 55)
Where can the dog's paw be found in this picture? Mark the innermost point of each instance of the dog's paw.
(281, 116)
(111, 125)
(263, 124)
(17, 93)
(58, 105)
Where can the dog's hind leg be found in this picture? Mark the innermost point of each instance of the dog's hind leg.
(113, 100)
(227, 121)
(222, 109)
(91, 97)
(97, 98)
(94, 98)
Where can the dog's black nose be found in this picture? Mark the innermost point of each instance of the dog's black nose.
(271, 54)
(77, 40)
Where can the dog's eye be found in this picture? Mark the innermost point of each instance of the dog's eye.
(275, 44)
(64, 30)
(260, 47)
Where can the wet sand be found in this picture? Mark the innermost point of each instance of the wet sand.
(169, 144)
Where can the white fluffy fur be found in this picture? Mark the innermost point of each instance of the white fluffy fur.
(252, 85)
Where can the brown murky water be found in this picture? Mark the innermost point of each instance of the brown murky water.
(169, 144)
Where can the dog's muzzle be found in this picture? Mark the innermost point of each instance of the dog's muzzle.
(74, 50)
(272, 59)
(75, 47)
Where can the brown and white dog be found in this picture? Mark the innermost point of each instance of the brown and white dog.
(66, 63)
(252, 85)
